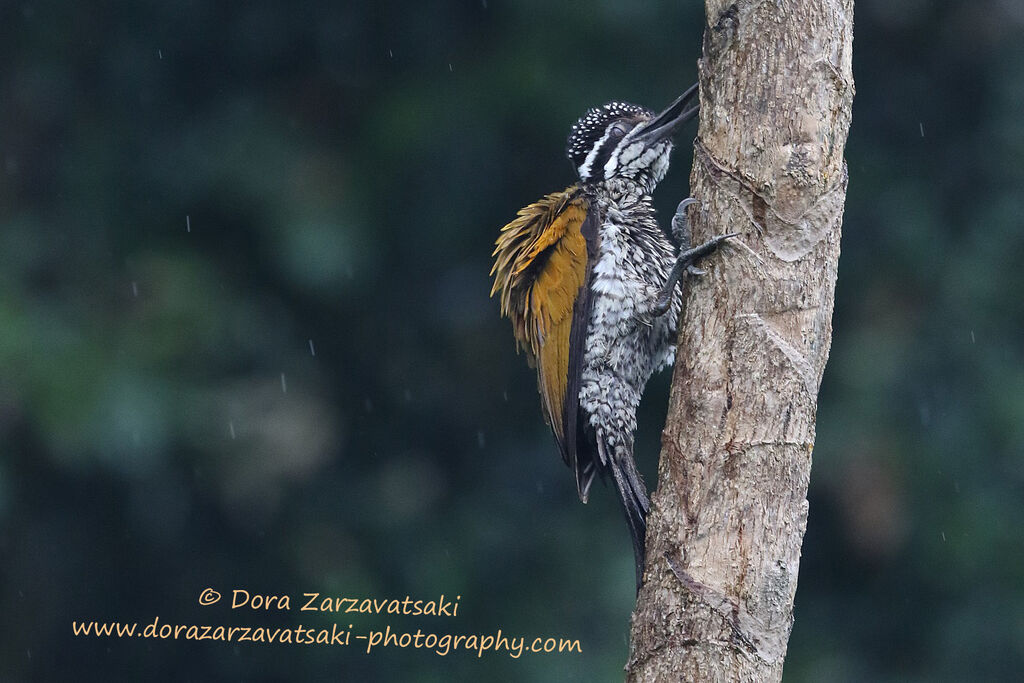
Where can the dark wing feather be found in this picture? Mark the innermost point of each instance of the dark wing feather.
(582, 463)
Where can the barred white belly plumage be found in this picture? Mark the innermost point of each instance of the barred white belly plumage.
(625, 344)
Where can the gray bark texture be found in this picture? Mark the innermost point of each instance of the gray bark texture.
(730, 510)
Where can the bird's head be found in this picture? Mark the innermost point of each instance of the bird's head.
(623, 140)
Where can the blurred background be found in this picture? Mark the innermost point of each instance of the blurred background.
(246, 339)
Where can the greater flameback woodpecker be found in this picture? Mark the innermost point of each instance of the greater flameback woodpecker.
(590, 282)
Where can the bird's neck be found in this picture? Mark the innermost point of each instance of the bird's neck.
(625, 191)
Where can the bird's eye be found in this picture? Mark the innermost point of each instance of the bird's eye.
(617, 130)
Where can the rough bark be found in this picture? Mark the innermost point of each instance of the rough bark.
(730, 510)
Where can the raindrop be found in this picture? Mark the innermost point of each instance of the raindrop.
(188, 223)
(135, 289)
(450, 67)
(504, 395)
(312, 349)
(972, 337)
(391, 55)
(160, 54)
(943, 536)
(956, 486)
(284, 384)
(921, 126)
(480, 440)
(231, 429)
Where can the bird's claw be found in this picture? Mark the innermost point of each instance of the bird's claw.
(686, 261)
(685, 203)
(680, 226)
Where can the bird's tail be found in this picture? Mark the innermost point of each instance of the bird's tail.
(632, 493)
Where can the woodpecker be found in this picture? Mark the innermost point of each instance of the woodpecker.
(590, 282)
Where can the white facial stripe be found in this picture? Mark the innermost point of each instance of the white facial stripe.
(630, 153)
(592, 155)
(621, 157)
(610, 165)
(636, 161)
(631, 157)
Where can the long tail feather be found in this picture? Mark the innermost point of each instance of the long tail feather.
(633, 495)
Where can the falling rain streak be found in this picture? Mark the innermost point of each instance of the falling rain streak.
(284, 384)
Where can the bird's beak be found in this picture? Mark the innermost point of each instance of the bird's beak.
(665, 124)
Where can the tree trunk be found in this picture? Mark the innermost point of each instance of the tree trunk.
(730, 510)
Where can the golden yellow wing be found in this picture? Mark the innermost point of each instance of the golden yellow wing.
(540, 268)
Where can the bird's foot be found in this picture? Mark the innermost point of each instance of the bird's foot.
(681, 232)
(687, 260)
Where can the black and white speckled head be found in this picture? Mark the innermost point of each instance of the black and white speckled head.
(623, 140)
(596, 135)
